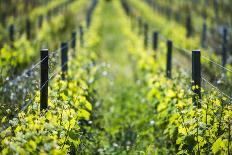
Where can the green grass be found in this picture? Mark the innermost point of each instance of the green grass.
(122, 118)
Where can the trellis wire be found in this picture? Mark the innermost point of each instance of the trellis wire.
(24, 107)
(215, 63)
(206, 58)
(30, 69)
(216, 88)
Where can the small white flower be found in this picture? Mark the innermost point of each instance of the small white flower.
(115, 144)
(152, 122)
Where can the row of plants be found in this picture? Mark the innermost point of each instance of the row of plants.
(116, 100)
(213, 36)
(180, 127)
(60, 128)
(34, 17)
(177, 33)
(166, 120)
(172, 30)
(216, 11)
(9, 8)
(12, 99)
(19, 54)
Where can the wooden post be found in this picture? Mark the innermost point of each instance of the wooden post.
(64, 59)
(28, 29)
(224, 55)
(49, 16)
(204, 35)
(90, 12)
(169, 59)
(189, 26)
(140, 22)
(73, 42)
(145, 35)
(88, 18)
(225, 35)
(40, 21)
(196, 77)
(155, 40)
(216, 9)
(177, 17)
(44, 79)
(224, 47)
(11, 32)
(81, 36)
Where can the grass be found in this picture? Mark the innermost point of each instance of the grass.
(123, 116)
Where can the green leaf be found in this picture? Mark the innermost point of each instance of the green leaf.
(216, 145)
(189, 143)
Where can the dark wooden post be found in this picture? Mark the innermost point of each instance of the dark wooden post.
(224, 55)
(145, 35)
(11, 32)
(169, 59)
(140, 22)
(216, 9)
(90, 12)
(64, 59)
(49, 16)
(88, 16)
(44, 79)
(224, 47)
(28, 29)
(189, 26)
(204, 35)
(81, 36)
(177, 17)
(40, 21)
(225, 35)
(155, 40)
(196, 76)
(73, 42)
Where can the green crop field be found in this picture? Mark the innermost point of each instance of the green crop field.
(115, 77)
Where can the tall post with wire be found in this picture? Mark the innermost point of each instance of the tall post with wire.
(64, 59)
(155, 40)
(40, 21)
(44, 79)
(145, 35)
(73, 42)
(140, 22)
(169, 59)
(81, 36)
(28, 29)
(11, 32)
(196, 77)
(224, 50)
(189, 26)
(203, 35)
